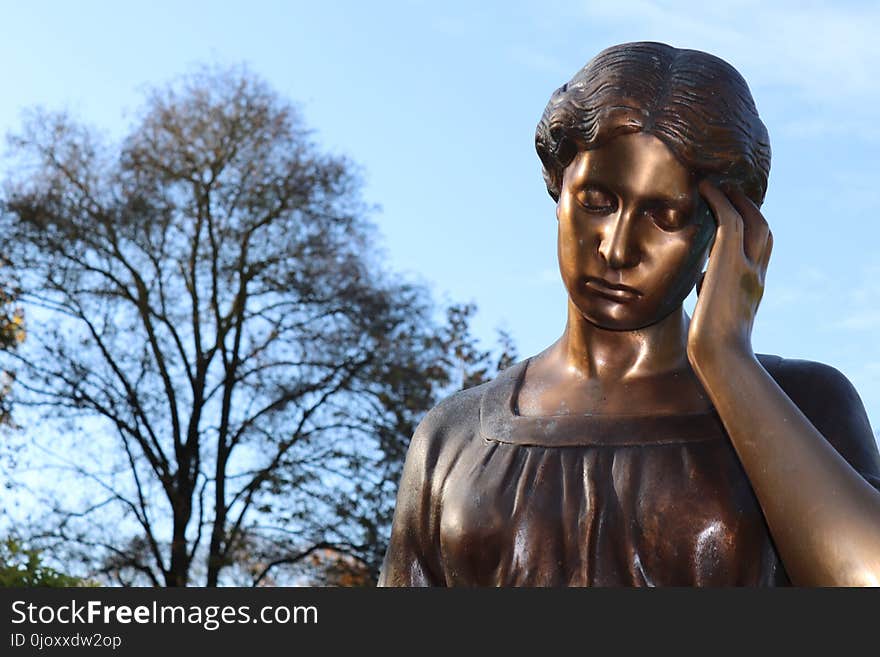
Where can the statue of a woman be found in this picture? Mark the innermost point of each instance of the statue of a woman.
(644, 447)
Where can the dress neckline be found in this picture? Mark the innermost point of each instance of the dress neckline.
(500, 422)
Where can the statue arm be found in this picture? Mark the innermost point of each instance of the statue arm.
(823, 514)
(411, 558)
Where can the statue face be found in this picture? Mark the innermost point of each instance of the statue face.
(634, 232)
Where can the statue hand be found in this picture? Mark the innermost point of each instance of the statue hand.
(733, 283)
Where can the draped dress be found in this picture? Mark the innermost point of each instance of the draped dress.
(492, 498)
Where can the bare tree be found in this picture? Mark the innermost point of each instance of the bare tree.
(225, 375)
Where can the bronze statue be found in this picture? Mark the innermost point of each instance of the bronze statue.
(644, 447)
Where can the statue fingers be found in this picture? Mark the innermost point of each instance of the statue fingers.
(764, 261)
(756, 229)
(729, 234)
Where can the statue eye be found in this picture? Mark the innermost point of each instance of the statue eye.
(666, 218)
(595, 200)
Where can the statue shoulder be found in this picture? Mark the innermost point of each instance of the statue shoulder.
(455, 422)
(812, 386)
(459, 411)
(412, 558)
(830, 401)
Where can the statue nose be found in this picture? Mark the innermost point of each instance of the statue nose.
(617, 246)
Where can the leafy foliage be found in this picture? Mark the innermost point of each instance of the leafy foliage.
(20, 567)
(12, 333)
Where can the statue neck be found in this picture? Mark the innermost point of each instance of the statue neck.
(593, 352)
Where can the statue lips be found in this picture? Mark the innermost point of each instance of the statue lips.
(613, 291)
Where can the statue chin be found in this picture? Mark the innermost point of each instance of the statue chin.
(610, 321)
(612, 315)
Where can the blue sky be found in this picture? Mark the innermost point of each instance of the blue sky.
(438, 103)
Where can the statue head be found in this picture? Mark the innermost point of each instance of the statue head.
(624, 147)
(694, 102)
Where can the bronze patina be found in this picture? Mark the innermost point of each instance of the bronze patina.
(645, 447)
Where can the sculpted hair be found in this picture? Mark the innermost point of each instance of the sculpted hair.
(697, 104)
